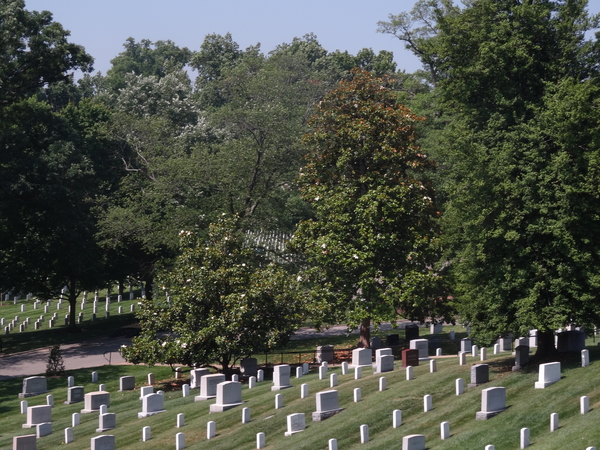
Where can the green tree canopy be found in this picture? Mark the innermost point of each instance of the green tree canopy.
(517, 85)
(34, 51)
(226, 303)
(372, 242)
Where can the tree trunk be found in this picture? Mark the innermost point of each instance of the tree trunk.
(149, 281)
(546, 347)
(73, 305)
(365, 333)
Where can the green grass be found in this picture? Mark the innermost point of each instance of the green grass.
(528, 407)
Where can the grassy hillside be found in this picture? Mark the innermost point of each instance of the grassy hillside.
(528, 407)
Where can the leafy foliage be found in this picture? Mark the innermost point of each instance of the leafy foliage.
(226, 303)
(56, 364)
(372, 242)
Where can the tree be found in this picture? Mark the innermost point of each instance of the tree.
(54, 167)
(520, 155)
(372, 242)
(226, 303)
(146, 58)
(34, 52)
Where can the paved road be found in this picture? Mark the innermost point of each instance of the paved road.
(97, 352)
(102, 351)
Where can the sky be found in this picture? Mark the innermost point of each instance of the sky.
(103, 26)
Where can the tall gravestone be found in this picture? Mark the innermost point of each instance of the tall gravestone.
(549, 374)
(33, 386)
(208, 386)
(325, 353)
(480, 374)
(152, 404)
(93, 401)
(75, 394)
(281, 377)
(249, 367)
(422, 345)
(229, 395)
(493, 402)
(362, 357)
(411, 332)
(196, 375)
(327, 405)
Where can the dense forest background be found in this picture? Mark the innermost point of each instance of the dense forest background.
(101, 175)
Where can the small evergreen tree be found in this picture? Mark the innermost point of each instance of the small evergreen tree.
(56, 365)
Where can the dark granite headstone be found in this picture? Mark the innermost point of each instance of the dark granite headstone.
(570, 341)
(412, 332)
(410, 358)
(521, 356)
(392, 339)
(376, 343)
(480, 373)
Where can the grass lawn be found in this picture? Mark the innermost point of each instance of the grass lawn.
(527, 407)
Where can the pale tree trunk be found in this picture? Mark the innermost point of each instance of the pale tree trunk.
(365, 333)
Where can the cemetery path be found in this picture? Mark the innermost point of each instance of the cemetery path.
(92, 353)
(105, 350)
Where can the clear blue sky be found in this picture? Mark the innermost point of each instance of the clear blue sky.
(102, 26)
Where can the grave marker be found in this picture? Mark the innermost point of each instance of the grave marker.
(196, 375)
(413, 442)
(229, 395)
(104, 442)
(362, 357)
(93, 401)
(480, 374)
(281, 377)
(151, 404)
(549, 373)
(75, 394)
(422, 346)
(208, 386)
(410, 358)
(493, 402)
(327, 405)
(38, 414)
(126, 383)
(295, 423)
(33, 386)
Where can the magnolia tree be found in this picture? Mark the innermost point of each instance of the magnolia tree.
(371, 245)
(226, 302)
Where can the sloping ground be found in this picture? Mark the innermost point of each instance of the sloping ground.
(528, 407)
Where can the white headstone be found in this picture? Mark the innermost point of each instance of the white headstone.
(357, 395)
(146, 434)
(208, 386)
(423, 346)
(444, 430)
(295, 423)
(413, 442)
(493, 402)
(281, 377)
(460, 386)
(584, 404)
(260, 440)
(229, 395)
(524, 438)
(382, 384)
(396, 418)
(304, 390)
(553, 422)
(549, 374)
(362, 357)
(278, 401)
(585, 357)
(75, 419)
(245, 415)
(180, 441)
(364, 434)
(152, 404)
(180, 420)
(333, 380)
(427, 403)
